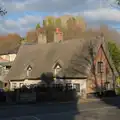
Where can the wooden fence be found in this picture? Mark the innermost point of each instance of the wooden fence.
(41, 94)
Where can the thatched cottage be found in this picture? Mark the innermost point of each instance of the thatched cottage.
(84, 63)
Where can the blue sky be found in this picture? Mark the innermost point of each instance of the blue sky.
(23, 15)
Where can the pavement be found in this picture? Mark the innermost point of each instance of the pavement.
(93, 110)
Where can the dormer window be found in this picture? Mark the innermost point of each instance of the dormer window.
(57, 69)
(29, 69)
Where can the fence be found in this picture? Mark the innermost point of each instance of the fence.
(41, 94)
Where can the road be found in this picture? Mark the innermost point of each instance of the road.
(100, 110)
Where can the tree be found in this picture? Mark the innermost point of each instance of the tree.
(58, 23)
(81, 24)
(47, 77)
(118, 2)
(69, 23)
(115, 54)
(31, 37)
(44, 24)
(38, 26)
(71, 28)
(23, 40)
(50, 22)
(2, 11)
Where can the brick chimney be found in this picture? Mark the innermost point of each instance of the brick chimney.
(58, 35)
(42, 39)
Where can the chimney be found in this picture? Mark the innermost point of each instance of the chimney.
(58, 35)
(42, 39)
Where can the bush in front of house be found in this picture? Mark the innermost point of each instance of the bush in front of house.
(2, 96)
(109, 93)
(55, 93)
(117, 89)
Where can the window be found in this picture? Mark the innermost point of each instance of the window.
(21, 84)
(77, 87)
(5, 85)
(29, 69)
(57, 68)
(8, 67)
(100, 67)
(14, 85)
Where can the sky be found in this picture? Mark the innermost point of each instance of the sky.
(23, 15)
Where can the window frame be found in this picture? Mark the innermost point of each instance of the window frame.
(56, 69)
(20, 85)
(77, 87)
(14, 84)
(8, 67)
(29, 70)
(100, 67)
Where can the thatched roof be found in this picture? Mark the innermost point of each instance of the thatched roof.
(73, 55)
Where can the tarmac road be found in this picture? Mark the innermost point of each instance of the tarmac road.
(99, 110)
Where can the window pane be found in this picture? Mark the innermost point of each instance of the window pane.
(8, 67)
(14, 85)
(21, 84)
(77, 87)
(100, 67)
(57, 68)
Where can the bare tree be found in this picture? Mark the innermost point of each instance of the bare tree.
(118, 2)
(3, 11)
(83, 60)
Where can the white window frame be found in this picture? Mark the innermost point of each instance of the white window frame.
(29, 69)
(14, 85)
(21, 84)
(75, 87)
(57, 69)
(100, 67)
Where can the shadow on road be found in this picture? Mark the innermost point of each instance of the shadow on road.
(112, 101)
(48, 105)
(109, 98)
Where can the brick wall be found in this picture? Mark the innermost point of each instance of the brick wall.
(100, 78)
